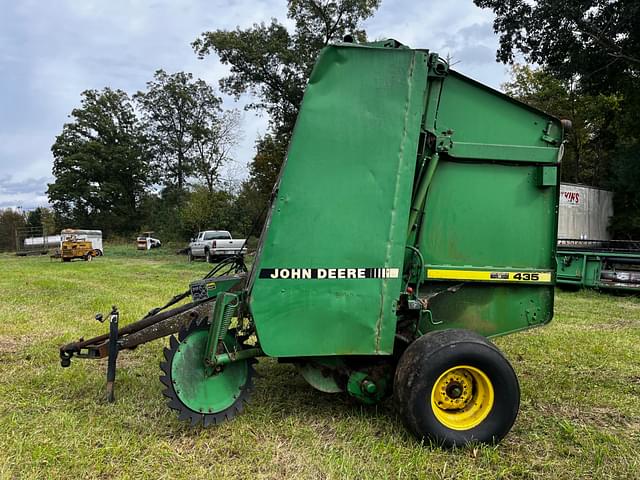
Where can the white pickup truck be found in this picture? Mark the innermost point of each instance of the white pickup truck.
(214, 244)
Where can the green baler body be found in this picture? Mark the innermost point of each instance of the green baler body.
(334, 259)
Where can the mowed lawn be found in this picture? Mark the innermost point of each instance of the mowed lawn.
(579, 417)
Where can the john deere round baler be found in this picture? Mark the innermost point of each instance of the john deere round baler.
(414, 217)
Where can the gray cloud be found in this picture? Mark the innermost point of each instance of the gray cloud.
(472, 45)
(27, 193)
(30, 203)
(9, 187)
(473, 55)
(457, 28)
(52, 51)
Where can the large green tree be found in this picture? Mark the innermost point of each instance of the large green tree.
(273, 64)
(587, 157)
(100, 164)
(180, 114)
(214, 142)
(205, 209)
(42, 217)
(598, 40)
(593, 45)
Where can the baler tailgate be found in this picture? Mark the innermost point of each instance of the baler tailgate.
(342, 207)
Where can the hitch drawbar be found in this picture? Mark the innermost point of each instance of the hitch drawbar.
(159, 322)
(130, 336)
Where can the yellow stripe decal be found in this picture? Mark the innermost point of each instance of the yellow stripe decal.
(489, 276)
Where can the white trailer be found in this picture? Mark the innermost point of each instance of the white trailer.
(46, 241)
(584, 213)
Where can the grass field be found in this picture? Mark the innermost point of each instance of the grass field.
(579, 418)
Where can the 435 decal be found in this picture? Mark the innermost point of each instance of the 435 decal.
(526, 276)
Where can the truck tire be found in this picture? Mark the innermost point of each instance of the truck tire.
(453, 387)
(208, 257)
(189, 256)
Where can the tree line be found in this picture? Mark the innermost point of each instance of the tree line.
(40, 219)
(153, 160)
(128, 163)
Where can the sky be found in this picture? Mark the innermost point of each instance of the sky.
(51, 51)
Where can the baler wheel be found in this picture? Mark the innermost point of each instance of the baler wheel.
(453, 387)
(198, 395)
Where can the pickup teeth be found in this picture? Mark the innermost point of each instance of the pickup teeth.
(196, 418)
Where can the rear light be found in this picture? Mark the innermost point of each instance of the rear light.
(213, 245)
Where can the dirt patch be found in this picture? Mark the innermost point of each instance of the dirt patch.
(613, 324)
(603, 418)
(126, 359)
(10, 344)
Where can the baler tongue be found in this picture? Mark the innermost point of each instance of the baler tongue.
(159, 322)
(130, 336)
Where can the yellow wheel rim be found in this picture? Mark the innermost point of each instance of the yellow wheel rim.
(462, 397)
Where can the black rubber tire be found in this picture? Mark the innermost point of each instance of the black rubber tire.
(208, 257)
(189, 256)
(429, 357)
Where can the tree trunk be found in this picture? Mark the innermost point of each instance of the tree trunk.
(180, 172)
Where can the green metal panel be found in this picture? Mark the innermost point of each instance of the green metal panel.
(488, 125)
(497, 218)
(488, 215)
(342, 203)
(491, 208)
(490, 310)
(592, 270)
(571, 266)
(548, 176)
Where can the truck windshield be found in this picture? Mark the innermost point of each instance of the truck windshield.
(216, 236)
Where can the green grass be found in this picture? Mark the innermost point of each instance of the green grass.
(579, 418)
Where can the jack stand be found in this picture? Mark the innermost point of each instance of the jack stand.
(113, 353)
